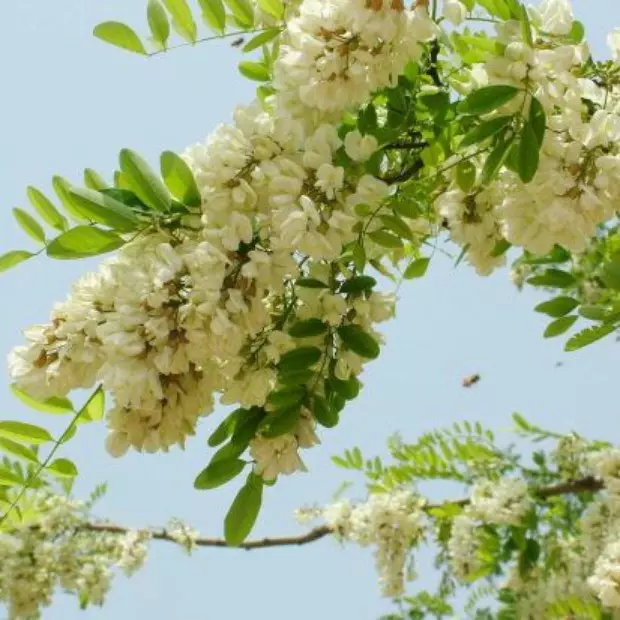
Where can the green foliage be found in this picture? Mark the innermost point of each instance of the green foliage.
(218, 473)
(143, 181)
(487, 99)
(179, 179)
(46, 210)
(13, 258)
(29, 225)
(257, 71)
(416, 269)
(121, 36)
(21, 431)
(82, 242)
(158, 23)
(214, 15)
(243, 512)
(182, 19)
(53, 405)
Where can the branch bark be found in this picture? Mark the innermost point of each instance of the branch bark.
(572, 487)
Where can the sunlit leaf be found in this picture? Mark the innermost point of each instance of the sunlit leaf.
(46, 210)
(20, 431)
(13, 258)
(83, 241)
(29, 225)
(121, 36)
(55, 404)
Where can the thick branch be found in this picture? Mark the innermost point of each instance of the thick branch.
(583, 485)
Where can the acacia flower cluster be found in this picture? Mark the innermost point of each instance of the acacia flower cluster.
(51, 552)
(575, 187)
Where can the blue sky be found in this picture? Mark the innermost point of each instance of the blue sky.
(70, 102)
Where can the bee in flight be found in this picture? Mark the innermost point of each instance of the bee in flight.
(471, 380)
(237, 42)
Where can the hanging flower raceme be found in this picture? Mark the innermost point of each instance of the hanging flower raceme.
(336, 53)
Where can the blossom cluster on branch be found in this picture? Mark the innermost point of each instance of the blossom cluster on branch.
(381, 127)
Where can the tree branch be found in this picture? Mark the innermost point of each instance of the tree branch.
(284, 541)
(582, 485)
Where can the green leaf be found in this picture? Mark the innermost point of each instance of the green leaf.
(555, 278)
(348, 389)
(301, 358)
(577, 32)
(526, 27)
(13, 258)
(558, 307)
(256, 71)
(62, 187)
(501, 247)
(528, 153)
(611, 272)
(83, 241)
(495, 161)
(121, 36)
(358, 284)
(386, 239)
(286, 397)
(242, 11)
(143, 182)
(246, 427)
(46, 209)
(356, 339)
(93, 180)
(158, 23)
(466, 175)
(306, 329)
(359, 256)
(398, 226)
(559, 326)
(29, 225)
(275, 8)
(588, 336)
(179, 179)
(16, 449)
(261, 39)
(416, 269)
(182, 19)
(55, 405)
(593, 312)
(324, 414)
(487, 99)
(8, 478)
(63, 468)
(281, 421)
(225, 428)
(538, 120)
(486, 130)
(104, 209)
(20, 431)
(125, 196)
(311, 283)
(218, 473)
(214, 15)
(94, 408)
(496, 7)
(244, 511)
(295, 377)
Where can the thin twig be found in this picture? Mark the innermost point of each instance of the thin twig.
(205, 39)
(42, 466)
(582, 485)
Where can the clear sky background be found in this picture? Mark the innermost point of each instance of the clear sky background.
(69, 102)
